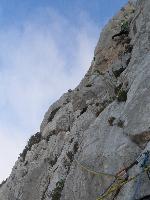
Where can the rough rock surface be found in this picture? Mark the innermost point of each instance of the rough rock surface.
(104, 123)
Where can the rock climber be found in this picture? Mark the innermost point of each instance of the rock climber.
(124, 29)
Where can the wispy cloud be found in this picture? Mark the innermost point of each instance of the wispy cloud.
(39, 61)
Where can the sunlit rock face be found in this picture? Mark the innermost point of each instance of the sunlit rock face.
(103, 124)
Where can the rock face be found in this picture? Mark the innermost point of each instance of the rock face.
(102, 125)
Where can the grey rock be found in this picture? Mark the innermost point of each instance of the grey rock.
(76, 133)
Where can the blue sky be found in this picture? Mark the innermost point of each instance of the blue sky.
(46, 48)
(16, 11)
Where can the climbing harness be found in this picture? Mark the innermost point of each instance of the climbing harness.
(122, 178)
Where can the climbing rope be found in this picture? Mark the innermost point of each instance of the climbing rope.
(93, 172)
(120, 180)
(120, 184)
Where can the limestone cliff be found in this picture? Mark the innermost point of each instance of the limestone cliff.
(102, 125)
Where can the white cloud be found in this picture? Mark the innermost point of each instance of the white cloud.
(38, 62)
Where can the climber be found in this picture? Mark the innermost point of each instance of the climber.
(124, 29)
(142, 159)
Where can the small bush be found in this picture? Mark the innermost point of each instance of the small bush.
(34, 139)
(111, 120)
(118, 88)
(56, 193)
(120, 124)
(122, 96)
(98, 72)
(111, 99)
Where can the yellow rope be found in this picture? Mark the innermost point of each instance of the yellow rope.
(93, 172)
(120, 184)
(115, 186)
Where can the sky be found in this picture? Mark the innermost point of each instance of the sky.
(46, 47)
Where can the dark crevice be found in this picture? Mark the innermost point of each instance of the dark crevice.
(128, 61)
(118, 72)
(53, 132)
(53, 113)
(75, 147)
(88, 85)
(129, 48)
(71, 140)
(134, 28)
(44, 192)
(83, 110)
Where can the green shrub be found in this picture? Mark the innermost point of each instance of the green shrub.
(34, 139)
(98, 72)
(118, 88)
(56, 193)
(122, 95)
